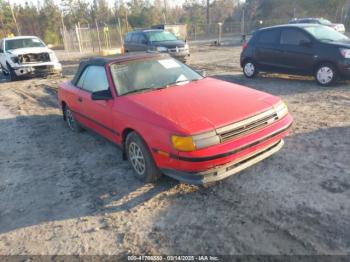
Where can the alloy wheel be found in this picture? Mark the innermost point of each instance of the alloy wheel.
(249, 69)
(70, 118)
(325, 75)
(137, 159)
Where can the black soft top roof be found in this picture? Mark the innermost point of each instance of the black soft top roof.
(102, 61)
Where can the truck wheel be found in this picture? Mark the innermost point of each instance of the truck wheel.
(13, 76)
(3, 70)
(141, 159)
(326, 74)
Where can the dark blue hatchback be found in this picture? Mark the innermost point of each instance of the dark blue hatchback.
(156, 40)
(303, 49)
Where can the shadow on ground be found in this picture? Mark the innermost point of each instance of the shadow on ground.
(49, 173)
(294, 202)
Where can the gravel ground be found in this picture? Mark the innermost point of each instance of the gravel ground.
(66, 193)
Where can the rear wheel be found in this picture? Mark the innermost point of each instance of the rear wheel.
(141, 159)
(70, 120)
(326, 74)
(250, 69)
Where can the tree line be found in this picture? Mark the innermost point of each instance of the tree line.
(47, 18)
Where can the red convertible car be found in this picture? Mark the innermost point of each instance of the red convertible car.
(168, 119)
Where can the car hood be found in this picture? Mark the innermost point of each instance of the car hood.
(30, 50)
(170, 44)
(343, 43)
(203, 105)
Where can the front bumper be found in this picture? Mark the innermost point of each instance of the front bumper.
(344, 68)
(224, 171)
(38, 69)
(181, 55)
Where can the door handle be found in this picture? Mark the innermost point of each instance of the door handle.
(80, 99)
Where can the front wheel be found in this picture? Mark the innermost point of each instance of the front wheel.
(141, 159)
(250, 69)
(326, 75)
(4, 72)
(13, 76)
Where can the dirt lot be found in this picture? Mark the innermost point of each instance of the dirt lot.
(66, 193)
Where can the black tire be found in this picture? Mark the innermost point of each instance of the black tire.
(326, 74)
(72, 123)
(13, 76)
(148, 172)
(250, 69)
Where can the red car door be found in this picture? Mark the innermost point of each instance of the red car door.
(96, 114)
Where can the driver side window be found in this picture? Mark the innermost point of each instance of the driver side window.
(94, 79)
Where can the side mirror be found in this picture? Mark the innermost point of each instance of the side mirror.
(102, 95)
(202, 72)
(305, 43)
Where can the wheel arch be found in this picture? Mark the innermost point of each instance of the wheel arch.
(248, 58)
(124, 135)
(321, 62)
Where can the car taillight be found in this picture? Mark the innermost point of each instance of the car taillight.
(244, 46)
(345, 52)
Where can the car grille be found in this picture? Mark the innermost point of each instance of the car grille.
(247, 125)
(176, 50)
(42, 68)
(34, 58)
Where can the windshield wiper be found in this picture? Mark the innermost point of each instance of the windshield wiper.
(138, 90)
(158, 88)
(177, 82)
(144, 89)
(181, 81)
(326, 39)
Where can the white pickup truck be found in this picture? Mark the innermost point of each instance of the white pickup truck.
(27, 56)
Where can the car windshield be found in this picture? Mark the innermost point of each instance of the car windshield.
(325, 22)
(23, 43)
(151, 74)
(160, 36)
(324, 33)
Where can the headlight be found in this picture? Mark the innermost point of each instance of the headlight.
(161, 49)
(191, 143)
(281, 109)
(53, 57)
(15, 59)
(345, 52)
